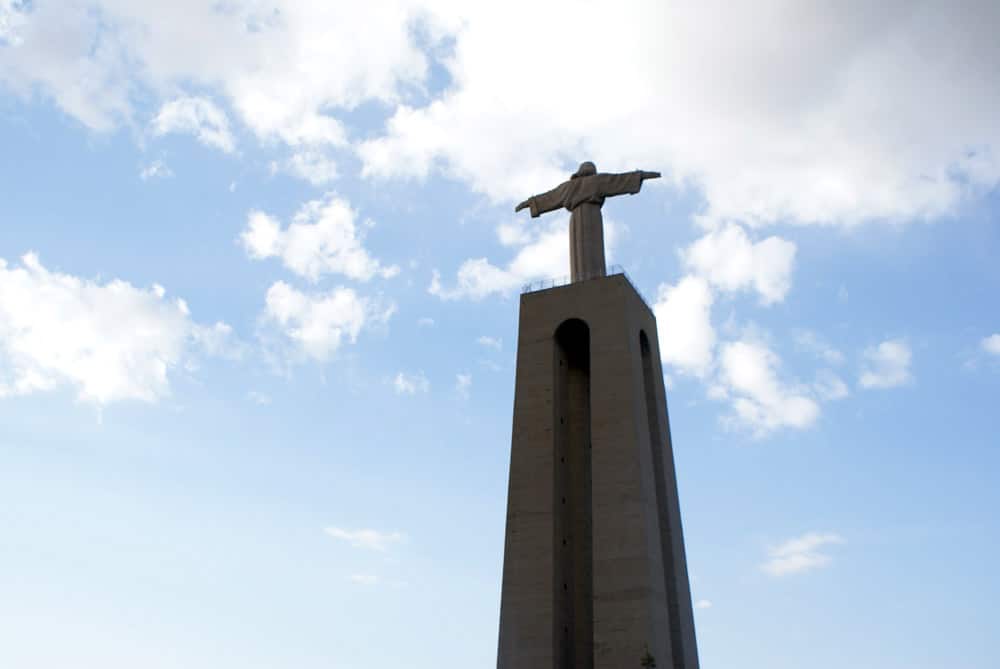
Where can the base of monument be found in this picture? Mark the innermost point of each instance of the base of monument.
(594, 571)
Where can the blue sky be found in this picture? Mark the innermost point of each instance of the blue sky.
(258, 309)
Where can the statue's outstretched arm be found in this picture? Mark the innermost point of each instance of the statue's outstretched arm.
(610, 184)
(544, 202)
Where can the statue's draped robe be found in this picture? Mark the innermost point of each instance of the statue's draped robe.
(583, 196)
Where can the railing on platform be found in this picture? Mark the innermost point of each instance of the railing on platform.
(554, 282)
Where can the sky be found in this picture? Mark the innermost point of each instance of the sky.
(259, 283)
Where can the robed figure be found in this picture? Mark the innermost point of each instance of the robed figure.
(583, 196)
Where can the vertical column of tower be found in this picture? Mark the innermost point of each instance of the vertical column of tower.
(680, 613)
(594, 569)
(657, 441)
(573, 626)
(628, 616)
(527, 604)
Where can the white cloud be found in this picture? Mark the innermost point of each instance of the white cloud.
(217, 340)
(683, 320)
(258, 398)
(829, 386)
(543, 253)
(313, 166)
(477, 278)
(311, 129)
(196, 116)
(991, 344)
(54, 51)
(812, 343)
(11, 19)
(155, 170)
(490, 342)
(514, 234)
(263, 237)
(463, 385)
(744, 372)
(323, 238)
(730, 261)
(887, 365)
(842, 127)
(313, 58)
(108, 341)
(411, 384)
(282, 67)
(425, 322)
(703, 604)
(318, 324)
(760, 399)
(364, 579)
(367, 539)
(800, 554)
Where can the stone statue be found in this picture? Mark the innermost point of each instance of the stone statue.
(583, 195)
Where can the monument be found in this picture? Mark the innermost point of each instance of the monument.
(594, 573)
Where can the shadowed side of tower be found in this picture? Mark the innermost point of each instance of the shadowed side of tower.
(594, 566)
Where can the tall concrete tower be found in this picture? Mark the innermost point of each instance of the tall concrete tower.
(594, 574)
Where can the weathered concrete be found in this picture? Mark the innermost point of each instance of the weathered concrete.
(594, 566)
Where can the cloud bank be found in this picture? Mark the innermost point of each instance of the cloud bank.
(107, 341)
(852, 112)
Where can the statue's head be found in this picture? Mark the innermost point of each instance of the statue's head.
(586, 169)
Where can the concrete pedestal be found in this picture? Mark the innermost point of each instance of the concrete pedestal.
(594, 568)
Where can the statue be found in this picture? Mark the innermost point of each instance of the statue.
(583, 195)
